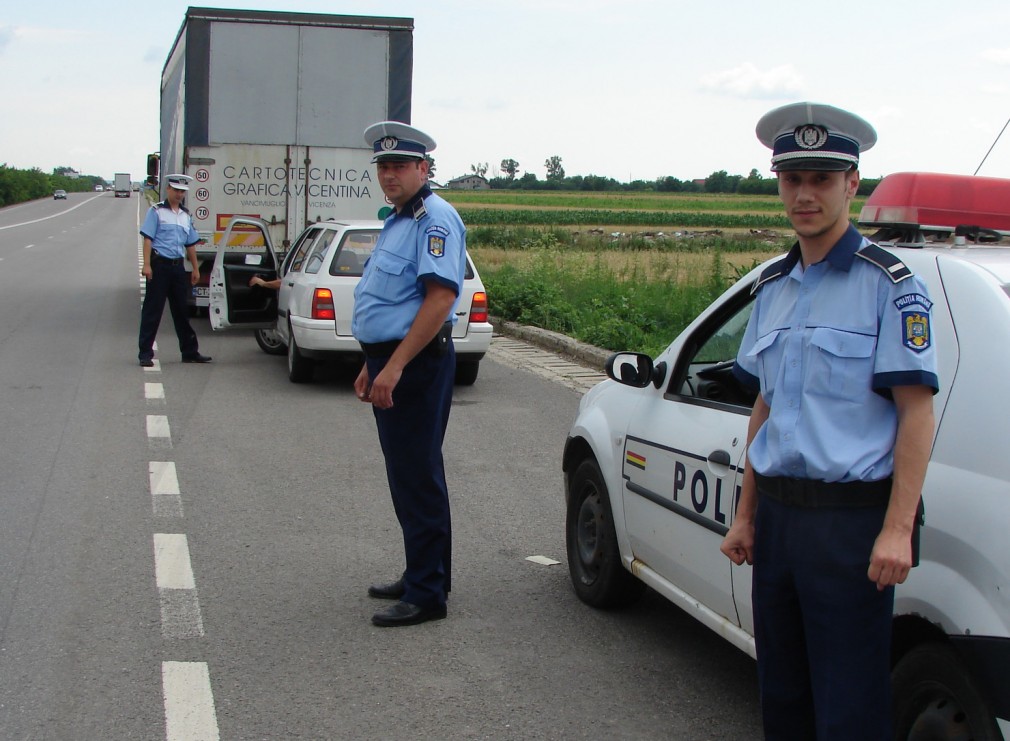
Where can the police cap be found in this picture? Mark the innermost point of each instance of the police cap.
(813, 136)
(393, 140)
(179, 182)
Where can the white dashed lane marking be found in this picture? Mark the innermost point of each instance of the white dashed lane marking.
(189, 702)
(166, 500)
(180, 605)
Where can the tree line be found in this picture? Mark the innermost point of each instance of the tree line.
(719, 181)
(18, 186)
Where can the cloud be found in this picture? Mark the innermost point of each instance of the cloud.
(996, 56)
(747, 81)
(7, 34)
(155, 54)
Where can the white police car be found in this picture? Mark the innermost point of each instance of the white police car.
(654, 459)
(309, 317)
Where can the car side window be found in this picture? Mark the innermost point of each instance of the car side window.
(301, 249)
(319, 250)
(704, 371)
(355, 249)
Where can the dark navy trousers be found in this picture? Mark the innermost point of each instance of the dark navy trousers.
(822, 630)
(411, 435)
(168, 282)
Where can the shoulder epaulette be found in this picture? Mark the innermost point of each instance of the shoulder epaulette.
(895, 269)
(770, 273)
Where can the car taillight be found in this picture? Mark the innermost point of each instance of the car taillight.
(478, 308)
(322, 304)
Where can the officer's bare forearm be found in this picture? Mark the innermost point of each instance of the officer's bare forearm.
(912, 446)
(747, 506)
(438, 301)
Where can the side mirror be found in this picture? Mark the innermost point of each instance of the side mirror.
(631, 369)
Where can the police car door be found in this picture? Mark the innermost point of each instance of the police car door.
(244, 251)
(683, 462)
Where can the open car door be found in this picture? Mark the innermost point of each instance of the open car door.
(244, 251)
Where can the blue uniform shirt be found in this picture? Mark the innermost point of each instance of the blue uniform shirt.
(425, 240)
(170, 233)
(826, 344)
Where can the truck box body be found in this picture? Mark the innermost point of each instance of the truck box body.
(266, 110)
(121, 183)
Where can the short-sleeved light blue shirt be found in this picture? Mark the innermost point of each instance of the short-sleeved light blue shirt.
(170, 232)
(425, 240)
(826, 344)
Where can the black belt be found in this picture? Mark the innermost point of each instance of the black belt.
(385, 349)
(810, 493)
(155, 257)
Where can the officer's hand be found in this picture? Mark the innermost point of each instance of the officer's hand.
(738, 545)
(891, 558)
(383, 385)
(362, 385)
(147, 272)
(194, 277)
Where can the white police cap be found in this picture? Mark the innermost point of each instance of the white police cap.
(813, 136)
(392, 140)
(179, 182)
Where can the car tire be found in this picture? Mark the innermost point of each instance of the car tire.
(466, 372)
(270, 342)
(935, 697)
(594, 559)
(300, 368)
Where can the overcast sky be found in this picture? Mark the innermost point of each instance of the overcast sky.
(629, 89)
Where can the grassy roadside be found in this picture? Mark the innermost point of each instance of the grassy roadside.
(619, 271)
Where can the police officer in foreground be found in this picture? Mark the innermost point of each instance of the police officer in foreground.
(404, 310)
(169, 240)
(840, 348)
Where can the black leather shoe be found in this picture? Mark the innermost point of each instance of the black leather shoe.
(146, 363)
(404, 613)
(196, 358)
(393, 590)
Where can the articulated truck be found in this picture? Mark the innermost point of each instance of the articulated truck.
(266, 111)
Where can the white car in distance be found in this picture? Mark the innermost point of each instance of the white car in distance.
(309, 317)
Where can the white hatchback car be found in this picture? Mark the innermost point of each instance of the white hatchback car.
(309, 317)
(654, 459)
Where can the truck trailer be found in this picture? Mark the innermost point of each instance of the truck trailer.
(121, 183)
(266, 111)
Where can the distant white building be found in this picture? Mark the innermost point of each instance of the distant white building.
(469, 182)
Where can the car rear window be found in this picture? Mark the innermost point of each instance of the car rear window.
(355, 249)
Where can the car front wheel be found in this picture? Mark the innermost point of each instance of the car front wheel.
(300, 368)
(935, 699)
(270, 342)
(594, 559)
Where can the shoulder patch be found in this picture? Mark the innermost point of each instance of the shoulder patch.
(895, 269)
(770, 273)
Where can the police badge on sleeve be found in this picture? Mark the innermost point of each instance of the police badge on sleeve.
(915, 329)
(436, 240)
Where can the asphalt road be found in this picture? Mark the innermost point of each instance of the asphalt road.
(184, 551)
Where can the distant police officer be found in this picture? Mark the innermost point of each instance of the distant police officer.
(169, 239)
(839, 346)
(404, 310)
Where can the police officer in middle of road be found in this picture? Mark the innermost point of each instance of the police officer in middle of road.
(169, 240)
(840, 349)
(404, 310)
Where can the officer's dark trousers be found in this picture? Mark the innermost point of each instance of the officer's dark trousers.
(823, 631)
(172, 282)
(411, 435)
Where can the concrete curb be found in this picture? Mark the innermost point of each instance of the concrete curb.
(588, 355)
